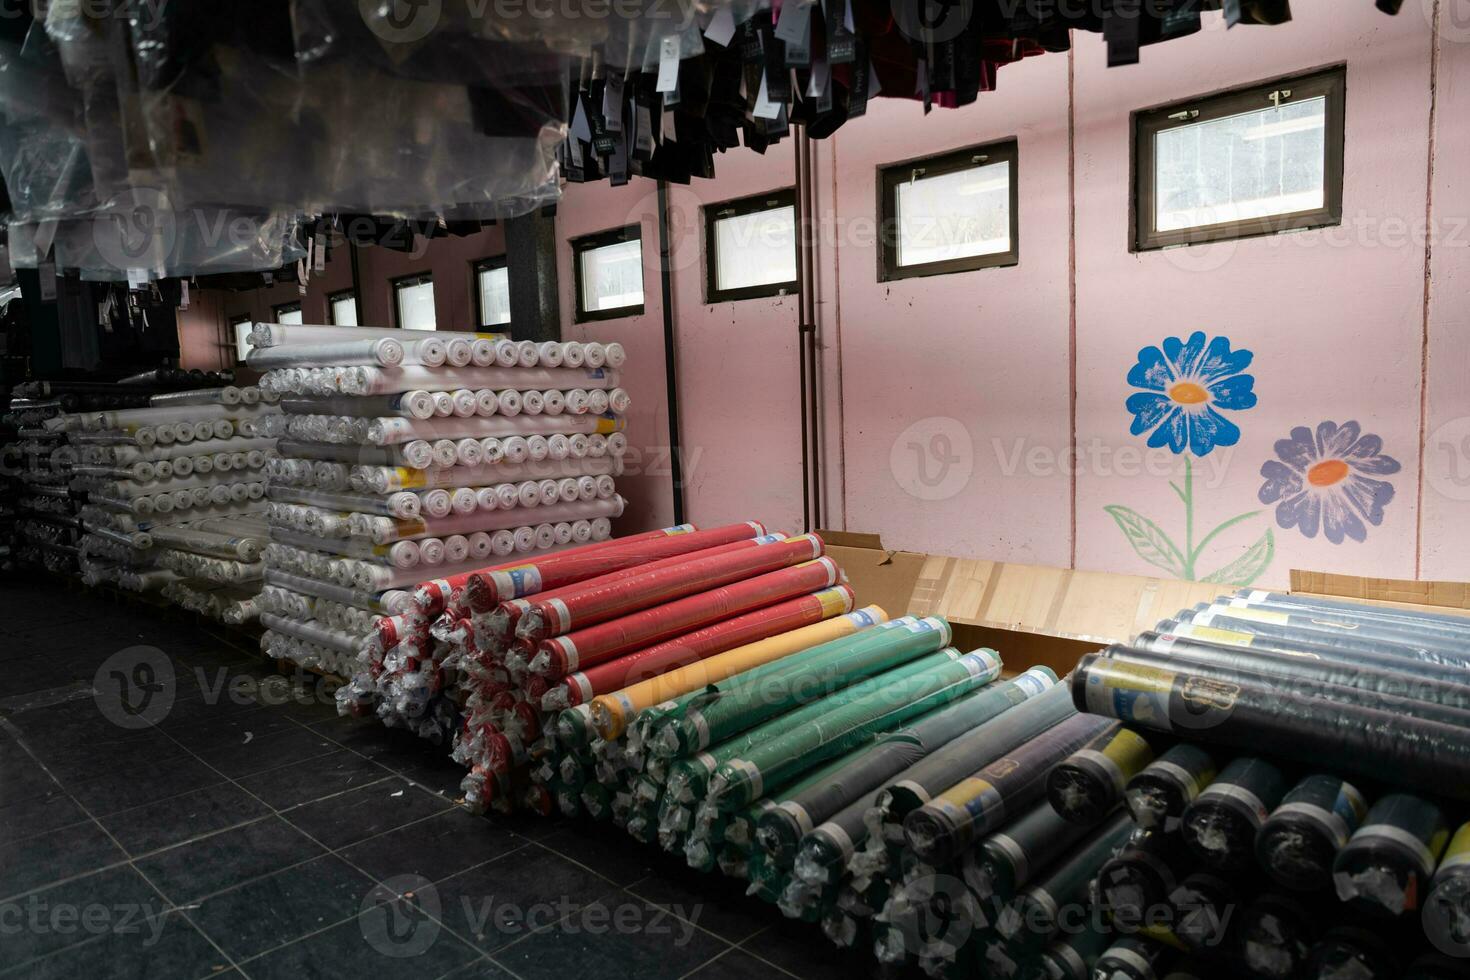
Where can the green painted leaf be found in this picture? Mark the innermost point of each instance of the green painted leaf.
(1249, 566)
(1148, 539)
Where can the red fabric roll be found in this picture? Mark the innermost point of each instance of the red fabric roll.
(588, 647)
(660, 658)
(485, 590)
(610, 596)
(433, 595)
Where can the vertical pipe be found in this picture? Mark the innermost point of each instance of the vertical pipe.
(803, 287)
(671, 372)
(811, 466)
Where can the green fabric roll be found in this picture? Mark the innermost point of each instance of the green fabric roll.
(775, 760)
(1036, 917)
(749, 698)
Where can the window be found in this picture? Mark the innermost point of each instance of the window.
(750, 247)
(1250, 162)
(608, 268)
(492, 292)
(413, 298)
(241, 325)
(287, 313)
(952, 213)
(343, 308)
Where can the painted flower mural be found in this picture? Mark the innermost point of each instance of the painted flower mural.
(1185, 387)
(1327, 479)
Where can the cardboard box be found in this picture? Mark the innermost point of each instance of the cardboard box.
(1035, 614)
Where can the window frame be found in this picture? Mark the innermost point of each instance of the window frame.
(401, 282)
(334, 298)
(487, 264)
(292, 307)
(1330, 82)
(601, 239)
(711, 214)
(890, 175)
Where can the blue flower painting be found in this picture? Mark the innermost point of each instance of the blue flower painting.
(1186, 385)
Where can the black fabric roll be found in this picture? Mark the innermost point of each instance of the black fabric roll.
(1387, 866)
(1142, 875)
(1275, 934)
(1158, 795)
(1299, 842)
(1248, 715)
(1221, 826)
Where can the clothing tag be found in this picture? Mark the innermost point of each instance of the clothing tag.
(617, 167)
(764, 107)
(668, 65)
(581, 129)
(722, 28)
(46, 272)
(781, 125)
(183, 294)
(857, 99)
(817, 83)
(319, 256)
(1233, 13)
(136, 278)
(841, 45)
(612, 102)
(750, 42)
(644, 129)
(671, 98)
(795, 25)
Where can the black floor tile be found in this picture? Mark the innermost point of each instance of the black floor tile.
(434, 849)
(228, 730)
(350, 817)
(312, 779)
(280, 908)
(31, 863)
(718, 903)
(225, 859)
(165, 946)
(29, 675)
(52, 919)
(383, 943)
(438, 774)
(605, 849)
(489, 904)
(81, 758)
(735, 964)
(271, 751)
(482, 969)
(177, 819)
(800, 949)
(129, 785)
(624, 937)
(39, 812)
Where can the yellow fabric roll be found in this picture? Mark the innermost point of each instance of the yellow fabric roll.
(613, 713)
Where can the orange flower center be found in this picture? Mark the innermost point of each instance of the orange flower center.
(1327, 472)
(1189, 393)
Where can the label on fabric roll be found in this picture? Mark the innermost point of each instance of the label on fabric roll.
(514, 583)
(624, 703)
(410, 479)
(840, 840)
(1255, 810)
(701, 727)
(706, 762)
(607, 426)
(1131, 692)
(563, 615)
(678, 529)
(752, 776)
(568, 650)
(862, 619)
(1458, 853)
(798, 813)
(1138, 964)
(971, 798)
(1104, 762)
(1242, 609)
(1215, 634)
(1033, 682)
(981, 663)
(833, 602)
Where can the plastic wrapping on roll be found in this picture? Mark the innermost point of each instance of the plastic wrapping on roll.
(384, 381)
(749, 699)
(1158, 795)
(407, 529)
(613, 712)
(1252, 716)
(1072, 957)
(1090, 783)
(381, 351)
(490, 590)
(588, 647)
(1221, 825)
(1037, 915)
(1002, 863)
(843, 727)
(1275, 935)
(1298, 844)
(978, 803)
(780, 617)
(1142, 876)
(784, 830)
(1387, 865)
(1135, 958)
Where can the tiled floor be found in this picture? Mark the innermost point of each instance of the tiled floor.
(248, 831)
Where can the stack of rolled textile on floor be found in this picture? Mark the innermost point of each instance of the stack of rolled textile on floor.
(1273, 795)
(174, 495)
(408, 456)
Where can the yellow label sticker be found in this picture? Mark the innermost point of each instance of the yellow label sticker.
(1230, 637)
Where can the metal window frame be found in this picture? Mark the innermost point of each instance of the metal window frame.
(334, 298)
(235, 323)
(602, 239)
(403, 282)
(712, 214)
(1148, 123)
(292, 307)
(892, 174)
(478, 266)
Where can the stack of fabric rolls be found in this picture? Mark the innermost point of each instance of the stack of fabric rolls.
(173, 496)
(406, 456)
